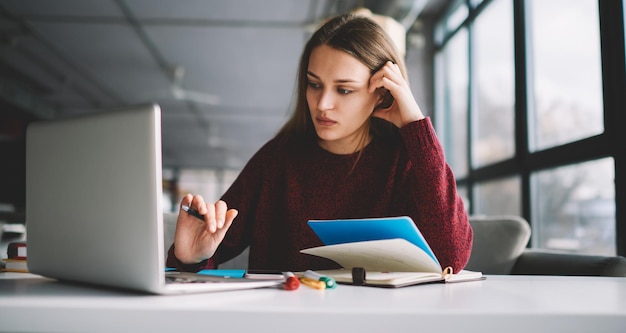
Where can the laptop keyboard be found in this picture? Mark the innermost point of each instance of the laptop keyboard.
(174, 279)
(187, 277)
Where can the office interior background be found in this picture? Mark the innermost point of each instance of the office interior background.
(527, 96)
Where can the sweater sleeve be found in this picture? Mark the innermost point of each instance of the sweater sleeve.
(433, 200)
(173, 262)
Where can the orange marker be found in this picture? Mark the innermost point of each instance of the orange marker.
(315, 284)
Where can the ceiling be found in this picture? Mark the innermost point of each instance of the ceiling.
(223, 72)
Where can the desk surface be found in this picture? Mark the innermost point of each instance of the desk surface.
(30, 303)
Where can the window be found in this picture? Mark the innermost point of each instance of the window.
(462, 191)
(499, 197)
(565, 73)
(475, 3)
(537, 89)
(494, 93)
(452, 68)
(457, 16)
(574, 208)
(454, 17)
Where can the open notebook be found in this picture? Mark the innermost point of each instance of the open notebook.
(94, 210)
(387, 252)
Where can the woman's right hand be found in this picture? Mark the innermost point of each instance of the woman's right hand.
(196, 240)
(404, 108)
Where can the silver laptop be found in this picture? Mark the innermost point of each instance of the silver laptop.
(94, 209)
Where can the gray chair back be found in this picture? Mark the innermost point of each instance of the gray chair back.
(498, 242)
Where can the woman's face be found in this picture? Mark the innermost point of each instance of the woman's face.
(338, 98)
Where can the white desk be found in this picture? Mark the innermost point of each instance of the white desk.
(498, 304)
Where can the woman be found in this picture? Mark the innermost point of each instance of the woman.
(356, 146)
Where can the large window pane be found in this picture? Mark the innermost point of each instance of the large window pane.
(457, 15)
(494, 94)
(574, 208)
(565, 54)
(454, 17)
(498, 197)
(452, 108)
(475, 3)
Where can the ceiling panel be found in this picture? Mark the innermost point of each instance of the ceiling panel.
(64, 8)
(115, 55)
(80, 56)
(42, 62)
(242, 66)
(242, 11)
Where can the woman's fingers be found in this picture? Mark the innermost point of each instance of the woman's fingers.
(209, 217)
(230, 216)
(198, 204)
(214, 214)
(185, 201)
(389, 77)
(405, 108)
(220, 213)
(228, 220)
(196, 241)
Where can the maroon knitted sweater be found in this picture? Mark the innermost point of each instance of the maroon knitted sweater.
(285, 184)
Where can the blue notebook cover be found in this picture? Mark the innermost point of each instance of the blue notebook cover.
(333, 232)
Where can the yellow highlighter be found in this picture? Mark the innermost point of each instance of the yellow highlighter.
(330, 282)
(315, 284)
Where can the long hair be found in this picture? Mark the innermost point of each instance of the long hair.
(359, 37)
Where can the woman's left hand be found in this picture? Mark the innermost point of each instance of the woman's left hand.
(404, 108)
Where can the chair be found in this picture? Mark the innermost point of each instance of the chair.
(498, 242)
(500, 248)
(543, 262)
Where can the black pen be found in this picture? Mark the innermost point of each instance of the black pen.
(193, 212)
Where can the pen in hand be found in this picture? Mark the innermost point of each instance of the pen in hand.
(192, 212)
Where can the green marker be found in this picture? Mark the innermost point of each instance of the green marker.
(330, 282)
